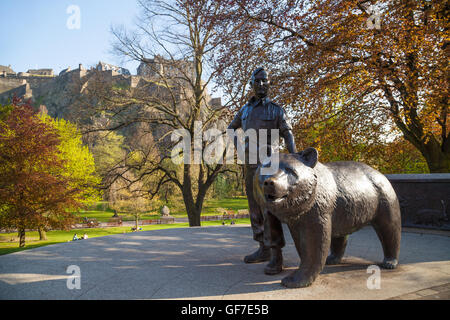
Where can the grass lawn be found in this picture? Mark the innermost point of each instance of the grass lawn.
(177, 210)
(105, 216)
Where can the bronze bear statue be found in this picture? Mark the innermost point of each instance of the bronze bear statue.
(323, 203)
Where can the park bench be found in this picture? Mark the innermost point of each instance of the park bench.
(149, 221)
(92, 223)
(115, 221)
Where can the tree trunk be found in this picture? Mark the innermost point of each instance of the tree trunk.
(438, 161)
(194, 207)
(191, 210)
(21, 234)
(194, 217)
(136, 220)
(200, 199)
(188, 198)
(42, 233)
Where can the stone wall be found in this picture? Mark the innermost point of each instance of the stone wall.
(424, 199)
(41, 72)
(20, 86)
(36, 82)
(9, 83)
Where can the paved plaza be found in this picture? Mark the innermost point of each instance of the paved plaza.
(207, 263)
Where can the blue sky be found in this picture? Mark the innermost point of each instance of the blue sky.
(34, 33)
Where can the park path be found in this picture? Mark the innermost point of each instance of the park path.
(206, 263)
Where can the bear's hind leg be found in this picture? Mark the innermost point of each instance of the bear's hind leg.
(388, 228)
(337, 250)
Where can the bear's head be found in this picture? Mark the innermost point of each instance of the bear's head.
(290, 190)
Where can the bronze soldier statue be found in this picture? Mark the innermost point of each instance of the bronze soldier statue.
(261, 113)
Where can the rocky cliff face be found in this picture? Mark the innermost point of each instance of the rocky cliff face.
(65, 95)
(56, 93)
(75, 95)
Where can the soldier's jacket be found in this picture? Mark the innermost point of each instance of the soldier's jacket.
(261, 114)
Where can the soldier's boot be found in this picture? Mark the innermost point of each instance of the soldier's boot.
(260, 255)
(275, 265)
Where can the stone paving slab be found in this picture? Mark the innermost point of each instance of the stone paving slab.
(441, 292)
(207, 263)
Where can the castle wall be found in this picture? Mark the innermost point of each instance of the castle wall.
(20, 91)
(35, 82)
(41, 72)
(59, 93)
(9, 83)
(21, 86)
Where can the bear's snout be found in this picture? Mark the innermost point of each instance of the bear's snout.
(274, 189)
(269, 186)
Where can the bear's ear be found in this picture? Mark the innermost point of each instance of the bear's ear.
(309, 157)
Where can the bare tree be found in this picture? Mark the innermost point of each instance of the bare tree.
(173, 43)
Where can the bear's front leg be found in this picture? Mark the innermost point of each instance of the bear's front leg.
(298, 279)
(312, 236)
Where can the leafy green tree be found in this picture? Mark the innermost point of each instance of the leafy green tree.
(108, 149)
(79, 165)
(133, 205)
(79, 162)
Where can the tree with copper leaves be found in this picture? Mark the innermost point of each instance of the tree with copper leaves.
(33, 190)
(382, 64)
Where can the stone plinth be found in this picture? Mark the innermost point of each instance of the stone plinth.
(165, 216)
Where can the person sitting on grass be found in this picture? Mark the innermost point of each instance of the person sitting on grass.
(75, 237)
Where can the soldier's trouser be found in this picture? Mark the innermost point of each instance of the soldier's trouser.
(266, 227)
